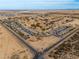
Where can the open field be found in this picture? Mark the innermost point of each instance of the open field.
(39, 34)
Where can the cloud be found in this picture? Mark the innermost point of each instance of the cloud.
(54, 3)
(38, 4)
(50, 0)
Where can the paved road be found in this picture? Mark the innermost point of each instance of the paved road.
(22, 40)
(39, 55)
(64, 38)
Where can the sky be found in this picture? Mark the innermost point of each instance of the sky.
(38, 4)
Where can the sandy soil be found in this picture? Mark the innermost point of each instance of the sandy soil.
(10, 45)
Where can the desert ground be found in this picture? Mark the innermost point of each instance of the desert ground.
(39, 34)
